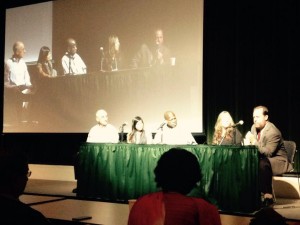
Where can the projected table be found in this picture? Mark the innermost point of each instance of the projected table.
(118, 172)
(69, 103)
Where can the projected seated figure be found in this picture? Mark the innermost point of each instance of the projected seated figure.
(72, 63)
(169, 133)
(44, 63)
(18, 87)
(159, 54)
(112, 59)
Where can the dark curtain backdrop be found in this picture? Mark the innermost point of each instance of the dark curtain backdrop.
(251, 57)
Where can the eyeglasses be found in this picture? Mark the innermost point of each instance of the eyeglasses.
(29, 173)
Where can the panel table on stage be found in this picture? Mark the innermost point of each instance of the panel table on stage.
(119, 172)
(100, 212)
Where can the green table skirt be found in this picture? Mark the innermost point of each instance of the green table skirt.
(118, 172)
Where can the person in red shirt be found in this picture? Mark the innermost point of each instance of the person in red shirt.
(177, 173)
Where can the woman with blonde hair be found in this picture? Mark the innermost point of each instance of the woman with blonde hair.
(112, 58)
(226, 132)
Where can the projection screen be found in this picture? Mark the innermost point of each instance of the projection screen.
(68, 103)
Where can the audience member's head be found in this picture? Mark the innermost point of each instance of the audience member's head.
(14, 173)
(171, 119)
(268, 216)
(102, 117)
(19, 50)
(177, 170)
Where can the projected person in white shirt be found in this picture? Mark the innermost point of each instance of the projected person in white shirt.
(103, 132)
(17, 80)
(172, 134)
(72, 63)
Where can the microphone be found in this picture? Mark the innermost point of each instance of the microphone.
(122, 130)
(162, 125)
(101, 51)
(241, 122)
(102, 58)
(124, 124)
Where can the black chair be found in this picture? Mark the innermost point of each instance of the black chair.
(291, 149)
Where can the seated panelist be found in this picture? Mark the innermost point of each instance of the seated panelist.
(72, 63)
(226, 132)
(138, 135)
(172, 134)
(112, 59)
(103, 132)
(44, 63)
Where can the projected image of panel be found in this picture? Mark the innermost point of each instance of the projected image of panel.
(140, 58)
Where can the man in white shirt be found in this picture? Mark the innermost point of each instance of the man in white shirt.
(72, 63)
(172, 134)
(16, 73)
(17, 82)
(103, 132)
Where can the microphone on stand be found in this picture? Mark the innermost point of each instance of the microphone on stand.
(241, 122)
(101, 51)
(101, 57)
(162, 125)
(70, 67)
(123, 125)
(122, 130)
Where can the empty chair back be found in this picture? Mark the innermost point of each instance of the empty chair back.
(290, 147)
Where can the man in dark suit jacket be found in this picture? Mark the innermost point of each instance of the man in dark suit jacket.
(158, 54)
(273, 155)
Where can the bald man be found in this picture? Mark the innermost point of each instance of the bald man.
(16, 73)
(171, 134)
(72, 63)
(103, 132)
(18, 87)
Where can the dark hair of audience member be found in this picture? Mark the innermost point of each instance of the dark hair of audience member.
(12, 163)
(177, 170)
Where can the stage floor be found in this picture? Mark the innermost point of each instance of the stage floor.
(287, 207)
(54, 183)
